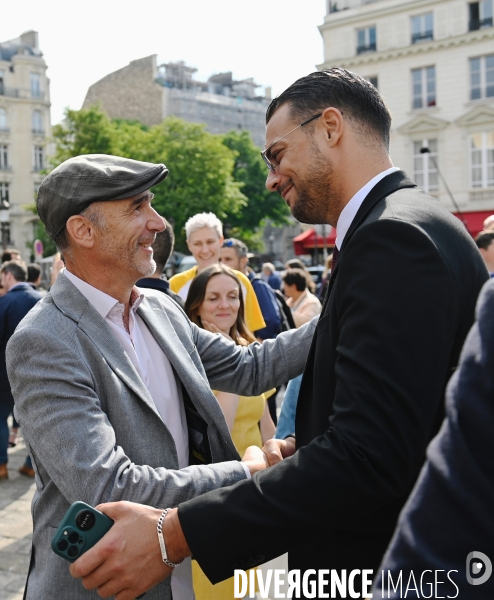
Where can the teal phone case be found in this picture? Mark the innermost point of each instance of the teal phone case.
(81, 527)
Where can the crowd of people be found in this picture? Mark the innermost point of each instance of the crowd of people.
(151, 398)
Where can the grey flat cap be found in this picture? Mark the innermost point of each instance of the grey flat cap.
(82, 180)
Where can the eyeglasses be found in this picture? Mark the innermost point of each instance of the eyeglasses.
(269, 164)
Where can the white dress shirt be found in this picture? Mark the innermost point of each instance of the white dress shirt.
(348, 213)
(157, 374)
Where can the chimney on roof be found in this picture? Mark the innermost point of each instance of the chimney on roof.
(30, 38)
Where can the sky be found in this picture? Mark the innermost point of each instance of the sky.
(273, 41)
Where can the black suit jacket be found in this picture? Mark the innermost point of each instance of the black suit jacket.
(14, 306)
(449, 514)
(399, 306)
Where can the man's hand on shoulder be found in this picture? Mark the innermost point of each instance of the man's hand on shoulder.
(127, 561)
(255, 459)
(276, 450)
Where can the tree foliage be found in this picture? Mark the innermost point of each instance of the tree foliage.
(221, 174)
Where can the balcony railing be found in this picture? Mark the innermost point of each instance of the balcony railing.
(4, 129)
(38, 131)
(423, 36)
(367, 48)
(10, 92)
(339, 5)
(476, 24)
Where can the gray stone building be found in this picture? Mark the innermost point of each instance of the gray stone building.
(24, 134)
(148, 92)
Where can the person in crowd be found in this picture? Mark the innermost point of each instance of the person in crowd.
(303, 304)
(204, 233)
(371, 399)
(14, 306)
(34, 277)
(296, 263)
(215, 302)
(234, 254)
(485, 244)
(112, 383)
(162, 250)
(271, 275)
(448, 518)
(489, 223)
(11, 254)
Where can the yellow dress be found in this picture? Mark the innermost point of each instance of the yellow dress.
(245, 433)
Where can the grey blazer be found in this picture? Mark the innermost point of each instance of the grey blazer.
(93, 430)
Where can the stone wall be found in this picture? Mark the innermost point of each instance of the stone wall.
(130, 93)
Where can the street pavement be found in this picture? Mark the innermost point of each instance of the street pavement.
(16, 526)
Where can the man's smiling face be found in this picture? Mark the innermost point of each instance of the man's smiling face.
(125, 232)
(303, 171)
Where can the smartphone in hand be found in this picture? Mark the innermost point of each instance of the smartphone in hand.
(81, 527)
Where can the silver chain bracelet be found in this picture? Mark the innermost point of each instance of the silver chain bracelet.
(159, 529)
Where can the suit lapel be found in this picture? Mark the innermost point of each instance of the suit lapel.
(75, 306)
(389, 184)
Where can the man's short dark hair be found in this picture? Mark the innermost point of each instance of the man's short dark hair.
(7, 254)
(18, 270)
(355, 97)
(163, 247)
(240, 248)
(484, 239)
(33, 272)
(295, 277)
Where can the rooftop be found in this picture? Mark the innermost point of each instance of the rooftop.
(26, 44)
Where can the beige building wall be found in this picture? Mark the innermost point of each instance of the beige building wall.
(455, 117)
(24, 130)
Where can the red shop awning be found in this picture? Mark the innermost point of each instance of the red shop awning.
(310, 240)
(474, 220)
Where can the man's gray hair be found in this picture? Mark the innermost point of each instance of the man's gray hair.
(202, 220)
(269, 266)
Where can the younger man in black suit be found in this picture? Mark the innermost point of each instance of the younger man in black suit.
(371, 399)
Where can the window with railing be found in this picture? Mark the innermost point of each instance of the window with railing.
(35, 85)
(424, 165)
(4, 156)
(366, 40)
(37, 122)
(3, 119)
(422, 28)
(480, 14)
(482, 77)
(424, 87)
(39, 163)
(482, 159)
(4, 191)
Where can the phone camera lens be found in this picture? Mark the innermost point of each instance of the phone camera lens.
(73, 551)
(85, 520)
(73, 537)
(62, 545)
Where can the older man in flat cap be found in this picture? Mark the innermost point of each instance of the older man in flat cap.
(112, 383)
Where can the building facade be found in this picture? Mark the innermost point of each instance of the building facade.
(148, 93)
(433, 62)
(24, 133)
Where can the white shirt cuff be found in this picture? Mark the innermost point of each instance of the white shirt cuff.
(246, 469)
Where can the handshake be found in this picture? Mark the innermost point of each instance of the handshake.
(271, 454)
(127, 561)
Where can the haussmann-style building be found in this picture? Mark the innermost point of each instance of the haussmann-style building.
(24, 134)
(433, 62)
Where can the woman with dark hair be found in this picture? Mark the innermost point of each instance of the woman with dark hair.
(215, 303)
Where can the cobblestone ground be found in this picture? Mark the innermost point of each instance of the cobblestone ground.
(15, 526)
